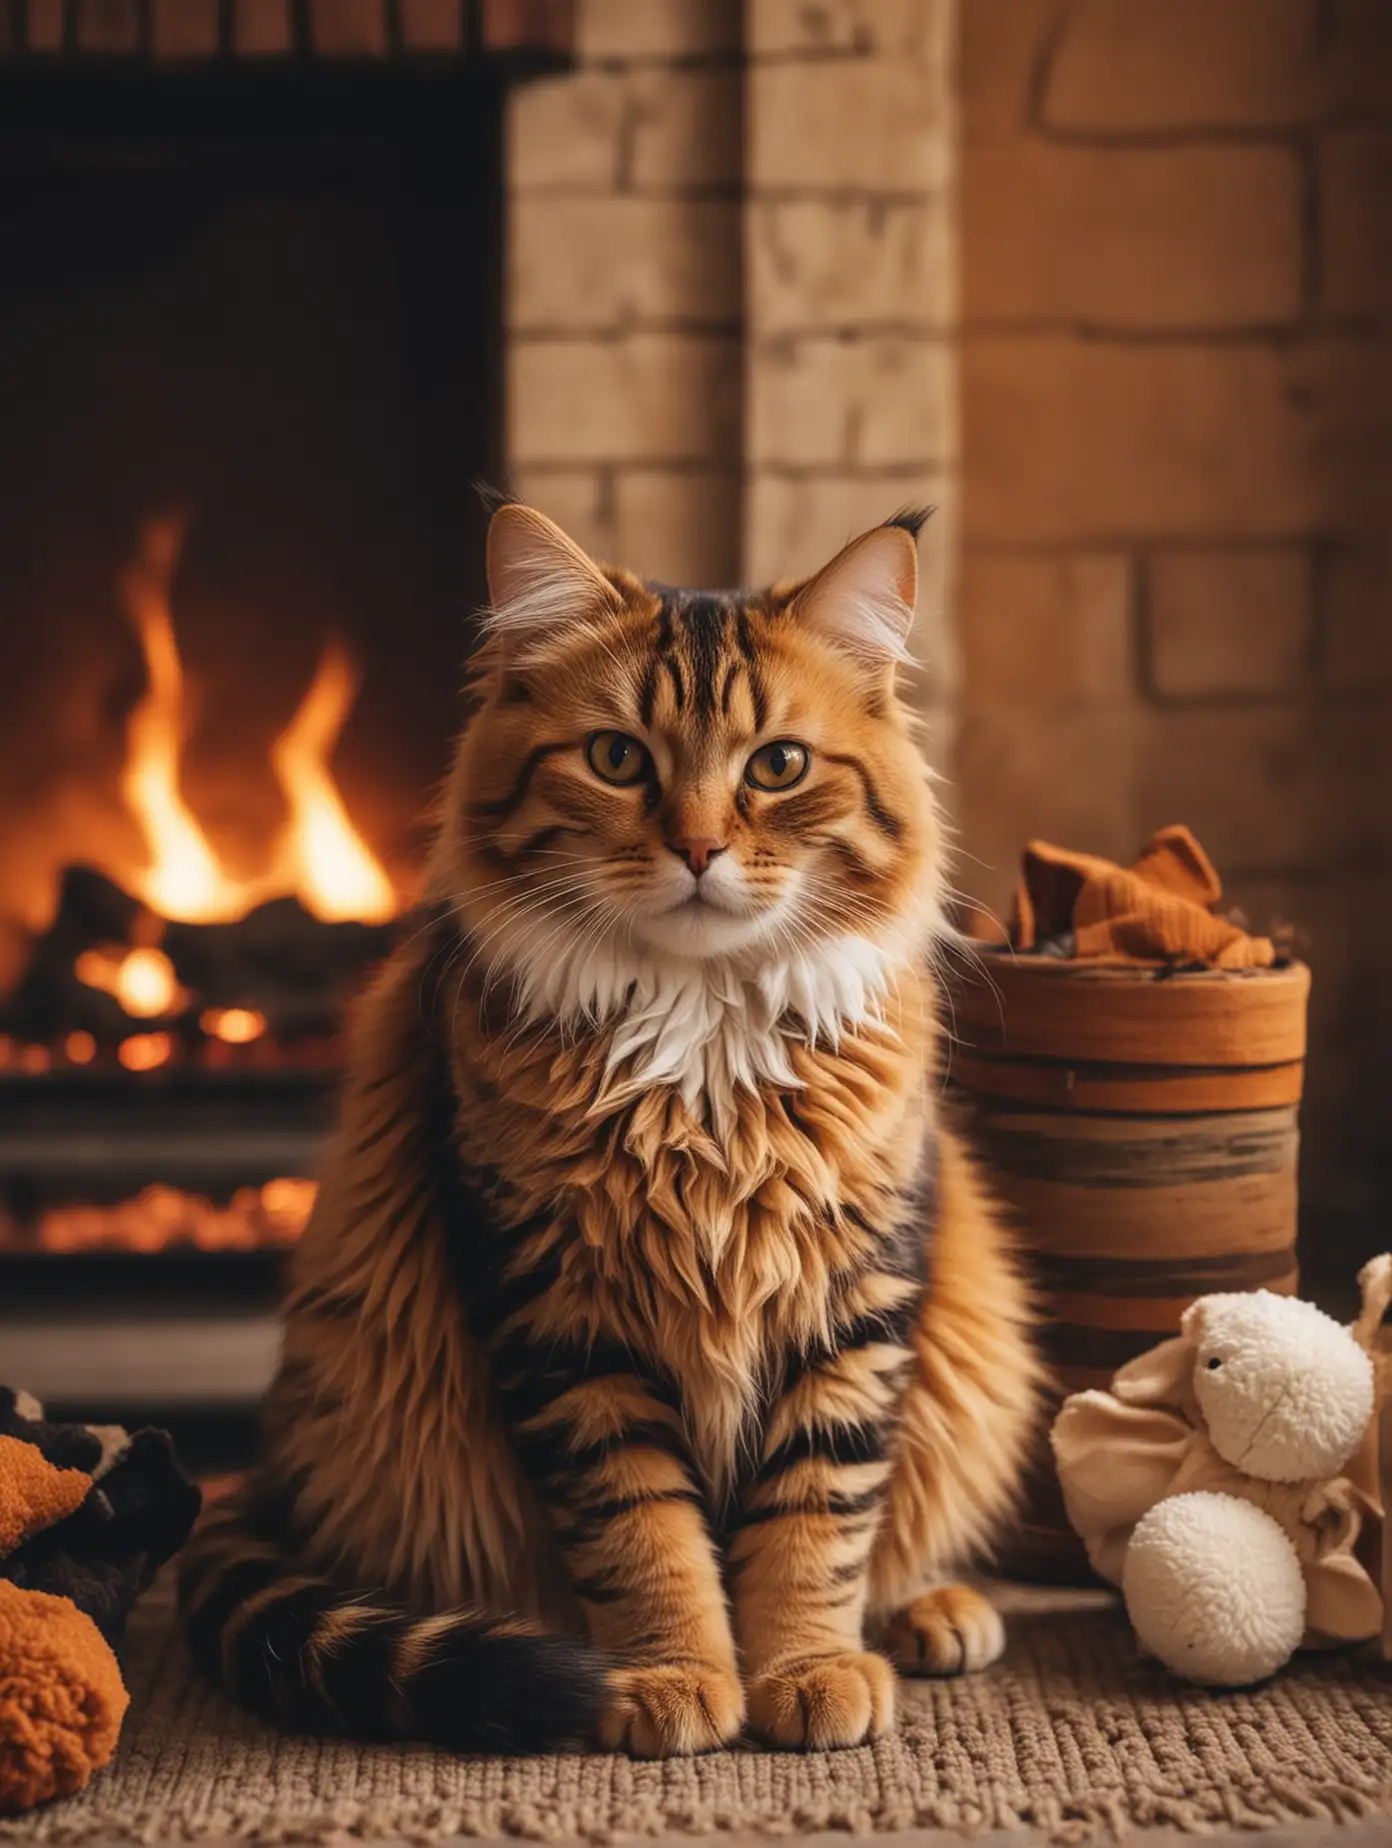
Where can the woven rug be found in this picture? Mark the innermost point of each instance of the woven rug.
(1071, 1734)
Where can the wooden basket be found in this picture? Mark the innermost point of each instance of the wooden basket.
(1141, 1127)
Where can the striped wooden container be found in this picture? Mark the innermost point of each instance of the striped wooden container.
(1142, 1128)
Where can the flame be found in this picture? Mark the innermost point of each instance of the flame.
(184, 879)
(336, 874)
(320, 857)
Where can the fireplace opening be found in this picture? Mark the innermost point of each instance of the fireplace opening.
(250, 359)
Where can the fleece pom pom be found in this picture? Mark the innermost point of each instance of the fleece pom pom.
(61, 1698)
(1213, 1588)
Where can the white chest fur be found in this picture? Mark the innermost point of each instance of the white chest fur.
(708, 1027)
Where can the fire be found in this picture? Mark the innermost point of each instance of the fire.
(143, 981)
(184, 879)
(336, 874)
(142, 1052)
(160, 1217)
(320, 857)
(237, 1026)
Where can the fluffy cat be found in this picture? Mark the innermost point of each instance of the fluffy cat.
(654, 1349)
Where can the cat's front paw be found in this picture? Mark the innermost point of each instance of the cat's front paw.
(826, 1702)
(948, 1631)
(665, 1711)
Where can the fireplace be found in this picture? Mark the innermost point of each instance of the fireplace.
(250, 353)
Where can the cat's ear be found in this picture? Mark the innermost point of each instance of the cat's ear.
(863, 601)
(541, 586)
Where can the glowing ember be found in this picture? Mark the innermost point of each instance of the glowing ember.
(320, 857)
(160, 1217)
(238, 1026)
(142, 1052)
(35, 1059)
(79, 1048)
(143, 981)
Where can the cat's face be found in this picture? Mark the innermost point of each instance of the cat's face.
(696, 775)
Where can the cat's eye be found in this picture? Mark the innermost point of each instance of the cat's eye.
(777, 766)
(616, 757)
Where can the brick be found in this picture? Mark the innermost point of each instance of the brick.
(184, 28)
(658, 28)
(1362, 59)
(880, 125)
(579, 499)
(348, 28)
(1229, 622)
(1356, 222)
(827, 263)
(1089, 439)
(1123, 67)
(648, 398)
(46, 25)
(920, 28)
(108, 25)
(261, 27)
(1046, 632)
(432, 25)
(601, 129)
(881, 400)
(1000, 48)
(565, 133)
(1022, 775)
(1268, 788)
(681, 527)
(688, 129)
(793, 525)
(1145, 238)
(1356, 645)
(605, 263)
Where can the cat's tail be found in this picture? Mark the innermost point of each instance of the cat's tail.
(296, 1648)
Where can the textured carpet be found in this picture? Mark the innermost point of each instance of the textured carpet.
(1071, 1734)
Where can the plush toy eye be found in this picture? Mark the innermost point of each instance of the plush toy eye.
(777, 766)
(616, 757)
(1214, 1364)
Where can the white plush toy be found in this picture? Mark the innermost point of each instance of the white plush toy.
(1226, 1480)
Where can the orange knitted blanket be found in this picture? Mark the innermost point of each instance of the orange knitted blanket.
(1161, 910)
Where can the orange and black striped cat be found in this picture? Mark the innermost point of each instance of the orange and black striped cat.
(653, 1351)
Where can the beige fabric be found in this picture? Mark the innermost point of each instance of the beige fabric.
(1071, 1735)
(1120, 1452)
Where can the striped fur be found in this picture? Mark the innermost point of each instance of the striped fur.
(654, 1350)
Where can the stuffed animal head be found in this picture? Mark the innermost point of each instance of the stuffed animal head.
(1287, 1394)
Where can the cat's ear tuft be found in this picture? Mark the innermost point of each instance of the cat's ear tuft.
(541, 586)
(863, 601)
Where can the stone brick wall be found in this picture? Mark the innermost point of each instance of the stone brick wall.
(732, 283)
(850, 251)
(1176, 382)
(625, 287)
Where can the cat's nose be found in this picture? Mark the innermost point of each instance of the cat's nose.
(697, 851)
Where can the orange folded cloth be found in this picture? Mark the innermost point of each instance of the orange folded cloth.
(1161, 910)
